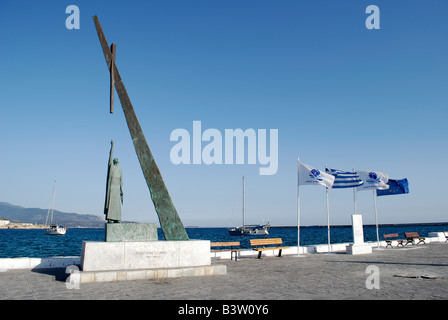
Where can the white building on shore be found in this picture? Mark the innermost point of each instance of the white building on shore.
(4, 222)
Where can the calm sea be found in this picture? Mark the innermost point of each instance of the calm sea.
(35, 243)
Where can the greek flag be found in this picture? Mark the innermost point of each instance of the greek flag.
(344, 179)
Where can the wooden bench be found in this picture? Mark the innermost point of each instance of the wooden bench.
(412, 236)
(391, 237)
(274, 244)
(230, 247)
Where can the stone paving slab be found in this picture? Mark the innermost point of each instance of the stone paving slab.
(312, 276)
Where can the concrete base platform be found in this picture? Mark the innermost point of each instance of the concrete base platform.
(437, 237)
(104, 256)
(127, 275)
(123, 261)
(354, 249)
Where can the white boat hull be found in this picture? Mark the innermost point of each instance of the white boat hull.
(56, 231)
(249, 231)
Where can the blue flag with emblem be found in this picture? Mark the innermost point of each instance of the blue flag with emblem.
(344, 179)
(395, 187)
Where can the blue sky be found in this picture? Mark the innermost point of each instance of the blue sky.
(339, 94)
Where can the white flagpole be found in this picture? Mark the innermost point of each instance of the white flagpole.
(328, 222)
(328, 217)
(298, 207)
(354, 194)
(376, 218)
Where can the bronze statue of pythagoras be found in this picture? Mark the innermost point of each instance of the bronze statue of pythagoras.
(114, 189)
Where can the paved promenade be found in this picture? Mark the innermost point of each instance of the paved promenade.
(313, 276)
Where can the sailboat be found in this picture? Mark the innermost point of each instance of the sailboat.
(249, 230)
(54, 229)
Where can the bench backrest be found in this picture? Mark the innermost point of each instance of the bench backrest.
(263, 242)
(225, 244)
(391, 235)
(411, 235)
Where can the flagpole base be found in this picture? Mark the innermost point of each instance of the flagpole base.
(355, 249)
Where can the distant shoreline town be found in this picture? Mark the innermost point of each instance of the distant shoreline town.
(6, 224)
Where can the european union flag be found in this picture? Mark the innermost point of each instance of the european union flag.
(395, 187)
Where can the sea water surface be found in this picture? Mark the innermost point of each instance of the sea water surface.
(34, 243)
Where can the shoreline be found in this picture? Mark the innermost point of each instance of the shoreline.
(30, 226)
(23, 225)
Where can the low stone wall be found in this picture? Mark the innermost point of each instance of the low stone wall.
(37, 263)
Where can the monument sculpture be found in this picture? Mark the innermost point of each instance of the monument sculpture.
(132, 250)
(171, 224)
(114, 189)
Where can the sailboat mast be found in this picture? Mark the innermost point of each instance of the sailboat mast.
(52, 203)
(244, 204)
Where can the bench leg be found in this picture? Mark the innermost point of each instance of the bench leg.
(236, 255)
(400, 243)
(388, 244)
(259, 254)
(280, 253)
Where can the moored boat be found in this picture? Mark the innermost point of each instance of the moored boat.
(54, 229)
(248, 230)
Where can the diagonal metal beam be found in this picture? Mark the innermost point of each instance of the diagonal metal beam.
(171, 225)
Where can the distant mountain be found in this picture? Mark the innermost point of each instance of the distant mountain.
(35, 215)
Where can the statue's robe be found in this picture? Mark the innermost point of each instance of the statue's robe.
(114, 193)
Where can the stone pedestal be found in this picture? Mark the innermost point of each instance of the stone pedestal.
(131, 260)
(358, 246)
(101, 256)
(358, 249)
(131, 232)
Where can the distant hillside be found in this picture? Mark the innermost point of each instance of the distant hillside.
(36, 215)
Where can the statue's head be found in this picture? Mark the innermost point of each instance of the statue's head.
(116, 161)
